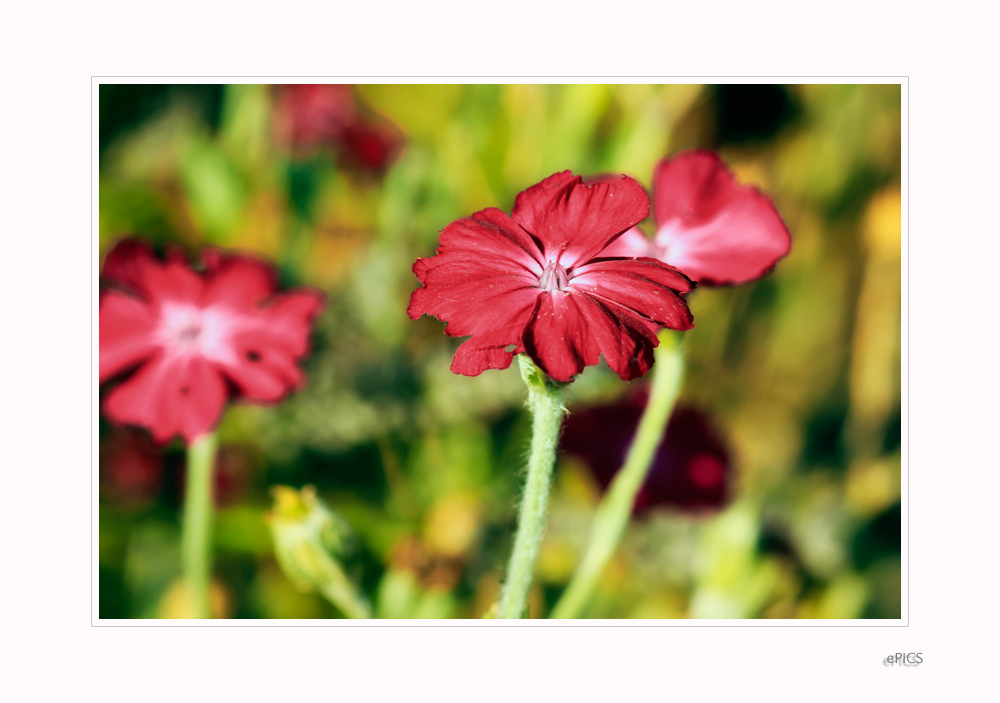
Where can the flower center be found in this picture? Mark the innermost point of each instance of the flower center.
(190, 329)
(189, 333)
(553, 278)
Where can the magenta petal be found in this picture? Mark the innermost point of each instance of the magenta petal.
(575, 221)
(646, 287)
(126, 337)
(715, 230)
(170, 395)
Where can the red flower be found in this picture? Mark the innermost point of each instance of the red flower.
(131, 467)
(312, 116)
(196, 339)
(691, 469)
(707, 225)
(538, 282)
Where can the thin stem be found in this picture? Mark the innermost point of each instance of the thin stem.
(341, 593)
(196, 528)
(615, 508)
(545, 402)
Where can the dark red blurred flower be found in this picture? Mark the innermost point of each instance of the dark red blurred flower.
(131, 467)
(311, 116)
(691, 468)
(708, 225)
(195, 339)
(538, 282)
(233, 472)
(231, 476)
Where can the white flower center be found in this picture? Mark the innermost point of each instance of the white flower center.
(188, 329)
(553, 278)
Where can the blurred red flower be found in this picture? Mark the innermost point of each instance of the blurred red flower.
(691, 468)
(708, 225)
(538, 282)
(195, 339)
(131, 467)
(308, 117)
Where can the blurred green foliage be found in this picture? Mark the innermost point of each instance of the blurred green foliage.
(801, 369)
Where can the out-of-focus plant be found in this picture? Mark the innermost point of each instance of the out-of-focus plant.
(311, 543)
(721, 233)
(189, 341)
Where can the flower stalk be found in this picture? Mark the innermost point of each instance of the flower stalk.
(196, 527)
(615, 508)
(545, 403)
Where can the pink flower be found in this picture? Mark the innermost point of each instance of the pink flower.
(539, 282)
(707, 225)
(195, 339)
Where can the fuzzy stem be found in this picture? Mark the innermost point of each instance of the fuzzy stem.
(196, 527)
(615, 508)
(545, 402)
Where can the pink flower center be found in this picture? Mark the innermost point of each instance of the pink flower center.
(553, 278)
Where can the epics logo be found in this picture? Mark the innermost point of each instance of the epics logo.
(909, 659)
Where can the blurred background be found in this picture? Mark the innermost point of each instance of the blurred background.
(343, 187)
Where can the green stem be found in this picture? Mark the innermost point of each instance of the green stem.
(341, 593)
(615, 508)
(196, 528)
(545, 402)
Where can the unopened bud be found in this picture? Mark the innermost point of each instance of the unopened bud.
(311, 542)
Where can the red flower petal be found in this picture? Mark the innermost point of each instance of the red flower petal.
(126, 335)
(646, 287)
(558, 337)
(267, 346)
(575, 221)
(489, 235)
(133, 265)
(487, 349)
(476, 300)
(626, 342)
(715, 230)
(483, 282)
(236, 281)
(170, 395)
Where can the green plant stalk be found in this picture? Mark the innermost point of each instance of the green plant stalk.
(196, 526)
(545, 402)
(341, 592)
(615, 508)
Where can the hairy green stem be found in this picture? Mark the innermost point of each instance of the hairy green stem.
(615, 508)
(545, 402)
(196, 527)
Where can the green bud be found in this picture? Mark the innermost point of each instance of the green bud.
(310, 544)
